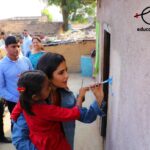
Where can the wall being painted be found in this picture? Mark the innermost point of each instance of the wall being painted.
(128, 125)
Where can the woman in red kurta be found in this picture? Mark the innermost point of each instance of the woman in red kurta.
(44, 121)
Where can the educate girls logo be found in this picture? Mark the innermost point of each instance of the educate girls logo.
(145, 16)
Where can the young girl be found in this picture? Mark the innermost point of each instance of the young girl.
(44, 121)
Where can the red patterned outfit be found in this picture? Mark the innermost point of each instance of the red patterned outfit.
(45, 126)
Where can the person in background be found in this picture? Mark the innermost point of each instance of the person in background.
(27, 42)
(20, 39)
(2, 45)
(36, 52)
(3, 138)
(2, 53)
(11, 66)
(2, 39)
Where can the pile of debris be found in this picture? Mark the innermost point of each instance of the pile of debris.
(73, 35)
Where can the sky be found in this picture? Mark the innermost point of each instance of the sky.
(56, 13)
(17, 8)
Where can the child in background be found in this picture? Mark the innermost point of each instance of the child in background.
(44, 120)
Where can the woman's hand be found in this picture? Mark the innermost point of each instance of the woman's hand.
(98, 92)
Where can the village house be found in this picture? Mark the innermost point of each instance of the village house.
(124, 52)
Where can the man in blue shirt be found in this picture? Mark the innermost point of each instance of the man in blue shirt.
(27, 42)
(11, 66)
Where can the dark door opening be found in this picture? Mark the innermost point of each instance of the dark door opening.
(105, 75)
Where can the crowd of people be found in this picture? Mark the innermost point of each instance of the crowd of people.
(34, 87)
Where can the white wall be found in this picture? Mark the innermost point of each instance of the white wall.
(128, 113)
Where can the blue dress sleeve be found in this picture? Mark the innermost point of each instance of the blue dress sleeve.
(20, 135)
(90, 115)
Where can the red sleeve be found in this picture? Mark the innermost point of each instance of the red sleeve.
(56, 113)
(16, 112)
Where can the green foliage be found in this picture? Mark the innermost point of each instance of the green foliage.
(88, 1)
(71, 5)
(80, 19)
(82, 14)
(48, 14)
(76, 10)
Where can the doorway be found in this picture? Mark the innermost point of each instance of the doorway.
(105, 75)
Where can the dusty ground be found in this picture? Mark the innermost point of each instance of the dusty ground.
(87, 136)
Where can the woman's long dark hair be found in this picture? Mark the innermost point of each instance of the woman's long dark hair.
(31, 82)
(49, 62)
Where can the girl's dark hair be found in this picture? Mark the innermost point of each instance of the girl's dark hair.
(49, 62)
(31, 82)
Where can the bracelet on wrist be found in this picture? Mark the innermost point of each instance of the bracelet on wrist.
(82, 98)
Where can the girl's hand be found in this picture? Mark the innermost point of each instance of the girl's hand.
(82, 91)
(98, 92)
(81, 96)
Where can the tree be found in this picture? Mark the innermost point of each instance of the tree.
(48, 14)
(68, 7)
(84, 14)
